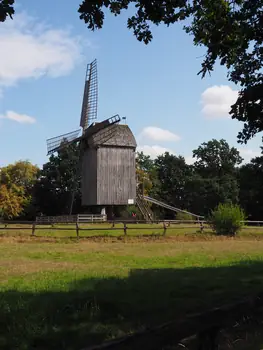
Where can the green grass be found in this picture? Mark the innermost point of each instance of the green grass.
(68, 294)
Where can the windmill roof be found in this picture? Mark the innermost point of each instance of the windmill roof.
(119, 135)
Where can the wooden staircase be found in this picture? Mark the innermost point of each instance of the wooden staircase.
(144, 208)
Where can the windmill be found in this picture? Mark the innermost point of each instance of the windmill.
(107, 152)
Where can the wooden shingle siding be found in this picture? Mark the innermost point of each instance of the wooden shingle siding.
(116, 176)
(89, 177)
(109, 175)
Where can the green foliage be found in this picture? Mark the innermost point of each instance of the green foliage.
(58, 179)
(11, 202)
(250, 179)
(214, 179)
(147, 177)
(184, 216)
(127, 212)
(216, 158)
(6, 9)
(22, 174)
(173, 173)
(232, 33)
(16, 188)
(144, 162)
(227, 219)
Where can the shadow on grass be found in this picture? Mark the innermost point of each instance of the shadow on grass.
(94, 310)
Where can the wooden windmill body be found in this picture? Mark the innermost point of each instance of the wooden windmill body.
(107, 152)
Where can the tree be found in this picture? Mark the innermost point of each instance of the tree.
(11, 202)
(214, 177)
(144, 162)
(17, 182)
(6, 9)
(251, 184)
(216, 158)
(230, 30)
(58, 180)
(21, 173)
(173, 173)
(147, 174)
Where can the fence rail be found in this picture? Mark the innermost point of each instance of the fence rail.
(205, 326)
(33, 226)
(56, 219)
(116, 225)
(71, 219)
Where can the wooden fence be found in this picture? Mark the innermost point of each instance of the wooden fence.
(69, 219)
(66, 219)
(206, 328)
(33, 226)
(124, 226)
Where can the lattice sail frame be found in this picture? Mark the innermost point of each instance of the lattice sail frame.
(90, 97)
(55, 143)
(88, 116)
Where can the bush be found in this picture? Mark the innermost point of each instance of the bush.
(227, 219)
(127, 212)
(184, 216)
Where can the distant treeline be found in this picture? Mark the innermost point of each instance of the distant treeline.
(217, 176)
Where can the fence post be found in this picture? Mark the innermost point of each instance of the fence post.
(208, 339)
(164, 228)
(125, 228)
(77, 230)
(33, 229)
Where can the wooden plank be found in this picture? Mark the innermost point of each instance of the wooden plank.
(116, 176)
(89, 177)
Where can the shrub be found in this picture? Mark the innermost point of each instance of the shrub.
(127, 212)
(227, 219)
(184, 216)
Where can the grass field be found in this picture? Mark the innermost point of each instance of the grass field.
(68, 294)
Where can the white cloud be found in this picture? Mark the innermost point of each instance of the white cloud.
(217, 101)
(154, 151)
(190, 160)
(20, 118)
(248, 154)
(31, 49)
(154, 133)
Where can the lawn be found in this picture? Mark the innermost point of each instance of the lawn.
(68, 294)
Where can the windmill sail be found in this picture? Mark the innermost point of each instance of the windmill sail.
(58, 142)
(90, 97)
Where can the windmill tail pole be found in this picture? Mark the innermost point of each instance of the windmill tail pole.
(164, 205)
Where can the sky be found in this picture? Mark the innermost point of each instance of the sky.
(45, 50)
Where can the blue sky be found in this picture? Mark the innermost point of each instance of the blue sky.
(168, 107)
